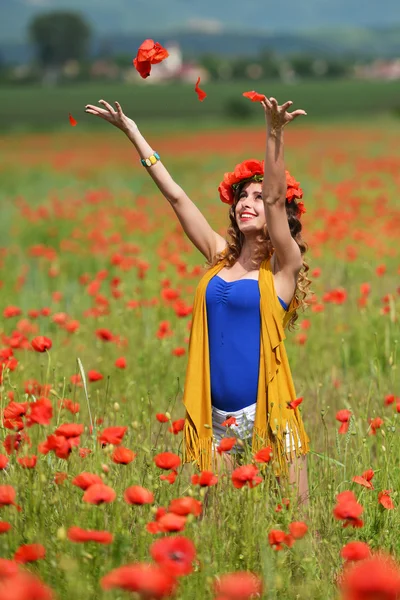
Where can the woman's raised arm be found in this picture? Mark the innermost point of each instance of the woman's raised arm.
(195, 225)
(275, 187)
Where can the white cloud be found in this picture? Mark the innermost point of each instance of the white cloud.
(204, 25)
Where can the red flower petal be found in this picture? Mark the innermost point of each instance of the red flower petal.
(254, 96)
(200, 93)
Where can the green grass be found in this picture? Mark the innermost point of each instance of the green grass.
(86, 197)
(39, 108)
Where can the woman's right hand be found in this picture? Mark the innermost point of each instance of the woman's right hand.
(115, 117)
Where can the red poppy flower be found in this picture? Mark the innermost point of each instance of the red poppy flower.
(162, 418)
(246, 474)
(151, 582)
(72, 121)
(389, 399)
(385, 499)
(380, 270)
(85, 480)
(105, 335)
(94, 375)
(375, 424)
(254, 96)
(177, 426)
(375, 577)
(229, 422)
(167, 461)
(149, 53)
(60, 477)
(76, 534)
(295, 403)
(363, 482)
(185, 506)
(14, 442)
(355, 551)
(301, 209)
(175, 554)
(170, 477)
(138, 495)
(121, 362)
(276, 538)
(171, 522)
(226, 444)
(205, 479)
(73, 407)
(59, 444)
(241, 585)
(368, 474)
(24, 586)
(123, 456)
(14, 410)
(8, 568)
(179, 351)
(29, 553)
(11, 311)
(298, 529)
(28, 462)
(4, 526)
(69, 430)
(112, 435)
(293, 188)
(201, 94)
(3, 461)
(7, 496)
(264, 455)
(41, 343)
(348, 509)
(99, 493)
(344, 417)
(40, 412)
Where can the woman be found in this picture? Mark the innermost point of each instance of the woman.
(237, 360)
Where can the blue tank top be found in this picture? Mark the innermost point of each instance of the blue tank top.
(234, 325)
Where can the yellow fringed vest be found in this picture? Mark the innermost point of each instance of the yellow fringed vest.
(275, 384)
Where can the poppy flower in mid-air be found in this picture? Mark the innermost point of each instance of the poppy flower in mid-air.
(149, 53)
(200, 93)
(254, 96)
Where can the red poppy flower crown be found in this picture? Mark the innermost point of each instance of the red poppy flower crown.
(253, 170)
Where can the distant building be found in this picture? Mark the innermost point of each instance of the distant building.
(379, 69)
(104, 68)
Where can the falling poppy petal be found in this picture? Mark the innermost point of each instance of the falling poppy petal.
(72, 120)
(254, 96)
(200, 93)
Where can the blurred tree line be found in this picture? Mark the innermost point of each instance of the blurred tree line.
(61, 38)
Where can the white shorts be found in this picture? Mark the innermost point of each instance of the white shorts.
(244, 429)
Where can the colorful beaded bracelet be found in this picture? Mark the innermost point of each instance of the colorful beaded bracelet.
(147, 162)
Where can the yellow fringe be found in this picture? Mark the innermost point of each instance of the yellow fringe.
(195, 449)
(280, 455)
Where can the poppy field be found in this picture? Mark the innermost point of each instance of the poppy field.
(97, 283)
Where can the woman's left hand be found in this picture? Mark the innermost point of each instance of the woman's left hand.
(278, 116)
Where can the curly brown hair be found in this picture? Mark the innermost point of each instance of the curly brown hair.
(265, 250)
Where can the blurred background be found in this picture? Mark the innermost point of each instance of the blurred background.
(335, 59)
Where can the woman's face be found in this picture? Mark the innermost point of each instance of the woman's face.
(249, 210)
